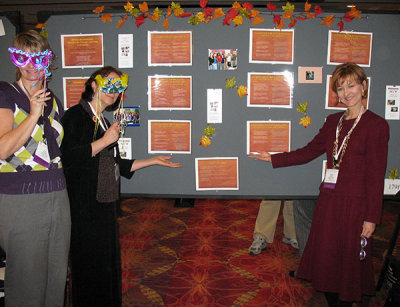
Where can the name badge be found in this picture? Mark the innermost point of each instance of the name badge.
(331, 176)
(42, 156)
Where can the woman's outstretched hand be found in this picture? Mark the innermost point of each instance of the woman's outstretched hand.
(262, 155)
(164, 161)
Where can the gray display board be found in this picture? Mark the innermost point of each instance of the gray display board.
(257, 179)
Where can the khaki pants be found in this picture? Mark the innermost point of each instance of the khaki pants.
(267, 216)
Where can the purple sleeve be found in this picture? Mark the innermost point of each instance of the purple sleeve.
(377, 150)
(5, 100)
(303, 155)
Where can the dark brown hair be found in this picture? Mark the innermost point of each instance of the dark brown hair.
(88, 94)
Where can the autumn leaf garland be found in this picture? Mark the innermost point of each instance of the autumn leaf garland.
(236, 14)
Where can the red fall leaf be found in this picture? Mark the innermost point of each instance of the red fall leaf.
(271, 7)
(203, 3)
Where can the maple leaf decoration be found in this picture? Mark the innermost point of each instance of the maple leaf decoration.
(328, 20)
(41, 25)
(98, 10)
(340, 25)
(106, 18)
(305, 121)
(121, 21)
(205, 141)
(242, 90)
(393, 173)
(128, 7)
(230, 83)
(302, 107)
(203, 3)
(143, 7)
(209, 131)
(271, 7)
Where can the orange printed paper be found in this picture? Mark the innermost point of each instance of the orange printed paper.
(271, 46)
(168, 92)
(82, 50)
(217, 174)
(349, 47)
(73, 88)
(270, 90)
(170, 48)
(271, 136)
(169, 136)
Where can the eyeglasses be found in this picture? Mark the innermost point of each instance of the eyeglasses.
(364, 243)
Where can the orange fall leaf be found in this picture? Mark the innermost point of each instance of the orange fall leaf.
(166, 24)
(143, 7)
(257, 20)
(236, 5)
(41, 25)
(307, 6)
(328, 20)
(98, 9)
(218, 13)
(106, 17)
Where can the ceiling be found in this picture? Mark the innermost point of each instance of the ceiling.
(25, 12)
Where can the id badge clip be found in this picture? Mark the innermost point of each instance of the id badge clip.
(331, 176)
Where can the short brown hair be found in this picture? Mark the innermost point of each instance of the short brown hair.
(347, 71)
(31, 40)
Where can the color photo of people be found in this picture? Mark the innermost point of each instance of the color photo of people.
(222, 59)
(128, 116)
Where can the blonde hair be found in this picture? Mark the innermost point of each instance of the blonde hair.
(31, 40)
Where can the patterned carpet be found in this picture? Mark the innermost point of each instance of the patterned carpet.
(198, 256)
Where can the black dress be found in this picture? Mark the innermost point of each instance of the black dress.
(95, 254)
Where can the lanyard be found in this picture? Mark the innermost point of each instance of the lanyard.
(336, 153)
(102, 122)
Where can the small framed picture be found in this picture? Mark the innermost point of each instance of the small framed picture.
(310, 74)
(222, 59)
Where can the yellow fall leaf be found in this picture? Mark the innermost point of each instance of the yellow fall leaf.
(218, 13)
(166, 24)
(305, 121)
(143, 7)
(178, 12)
(236, 5)
(128, 7)
(328, 20)
(238, 20)
(200, 16)
(205, 141)
(242, 90)
(257, 20)
(106, 17)
(98, 9)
